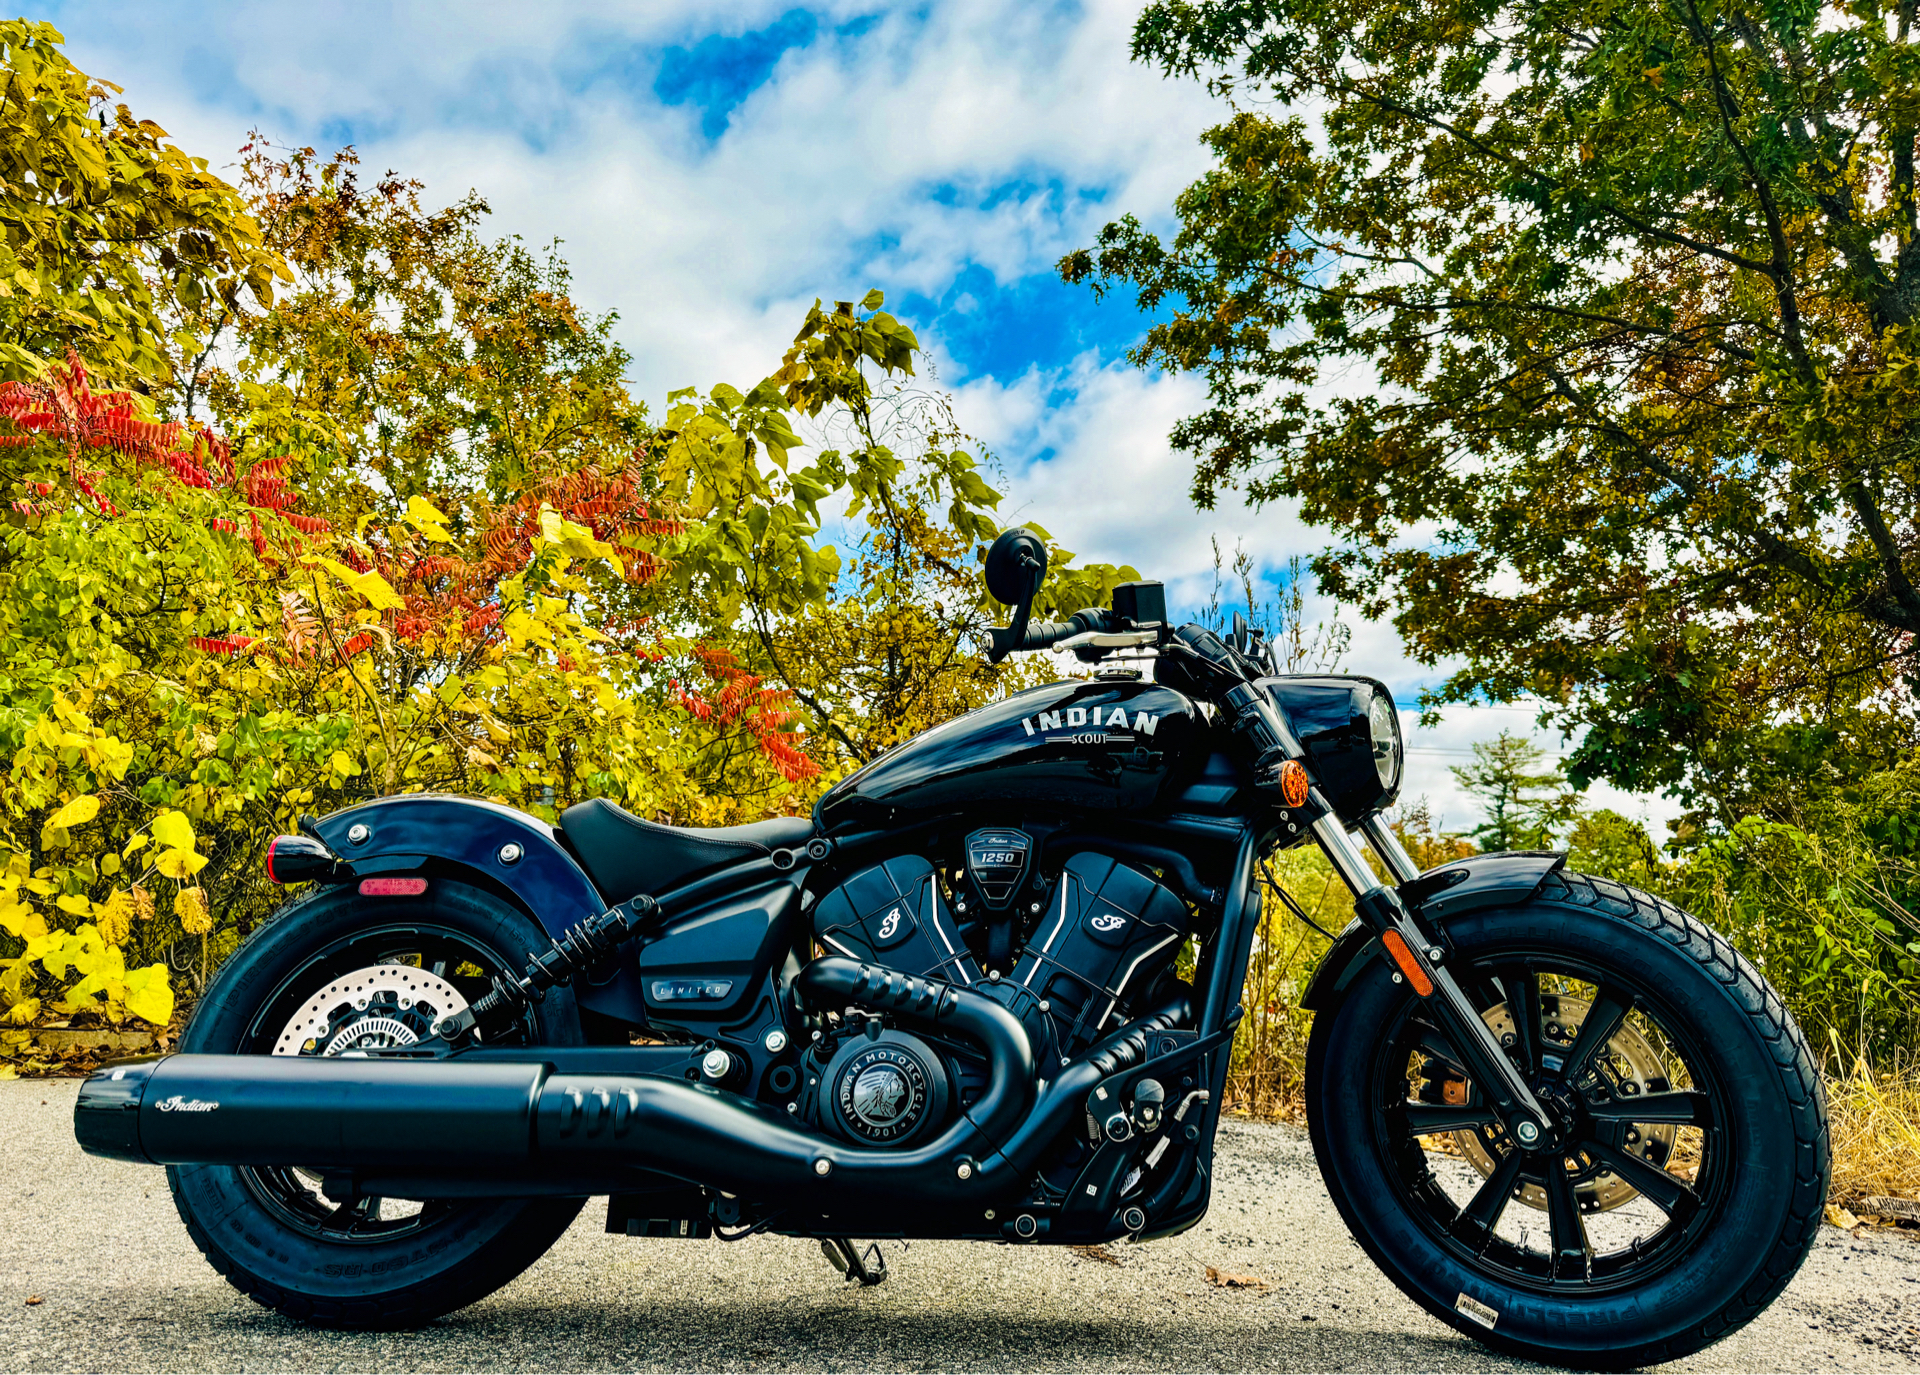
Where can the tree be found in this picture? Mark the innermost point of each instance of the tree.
(1589, 327)
(1526, 804)
(109, 234)
(898, 647)
(1610, 845)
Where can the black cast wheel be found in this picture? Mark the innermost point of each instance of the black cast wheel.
(335, 973)
(1681, 1184)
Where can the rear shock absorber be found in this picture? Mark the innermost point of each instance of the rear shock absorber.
(585, 948)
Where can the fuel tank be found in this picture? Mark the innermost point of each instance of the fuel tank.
(1105, 745)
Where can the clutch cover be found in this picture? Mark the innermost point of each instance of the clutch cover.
(884, 1090)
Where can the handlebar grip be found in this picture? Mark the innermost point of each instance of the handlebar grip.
(1045, 634)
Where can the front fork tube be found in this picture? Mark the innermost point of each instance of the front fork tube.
(1420, 962)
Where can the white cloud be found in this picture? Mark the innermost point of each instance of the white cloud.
(819, 187)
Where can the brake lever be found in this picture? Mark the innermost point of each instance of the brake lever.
(1109, 639)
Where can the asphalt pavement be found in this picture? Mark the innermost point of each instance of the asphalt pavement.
(121, 1287)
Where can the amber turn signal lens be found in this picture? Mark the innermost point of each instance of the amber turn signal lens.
(1293, 783)
(1409, 966)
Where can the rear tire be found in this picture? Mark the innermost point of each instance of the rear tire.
(268, 1231)
(1536, 1261)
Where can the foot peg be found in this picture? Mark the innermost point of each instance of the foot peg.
(844, 1254)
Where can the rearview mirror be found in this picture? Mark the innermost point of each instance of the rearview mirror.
(1015, 566)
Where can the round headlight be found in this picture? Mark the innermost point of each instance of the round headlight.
(1383, 721)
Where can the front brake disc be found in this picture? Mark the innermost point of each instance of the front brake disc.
(1630, 1068)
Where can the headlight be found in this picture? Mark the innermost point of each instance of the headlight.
(1383, 720)
(1351, 731)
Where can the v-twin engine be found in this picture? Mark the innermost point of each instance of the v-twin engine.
(1091, 954)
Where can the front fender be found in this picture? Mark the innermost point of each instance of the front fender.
(423, 830)
(1500, 879)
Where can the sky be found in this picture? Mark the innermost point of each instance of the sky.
(713, 168)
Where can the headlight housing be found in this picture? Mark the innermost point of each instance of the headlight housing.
(1351, 731)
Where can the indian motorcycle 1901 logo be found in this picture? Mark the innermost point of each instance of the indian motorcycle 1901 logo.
(179, 1104)
(1091, 725)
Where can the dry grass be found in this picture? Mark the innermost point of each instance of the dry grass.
(1876, 1132)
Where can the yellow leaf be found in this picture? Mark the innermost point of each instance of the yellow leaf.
(190, 905)
(150, 994)
(173, 830)
(73, 903)
(137, 843)
(110, 756)
(115, 917)
(574, 539)
(21, 920)
(378, 592)
(77, 812)
(23, 1013)
(180, 864)
(343, 764)
(429, 522)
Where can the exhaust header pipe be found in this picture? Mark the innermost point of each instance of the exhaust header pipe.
(520, 1124)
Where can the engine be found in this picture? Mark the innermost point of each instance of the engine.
(1072, 955)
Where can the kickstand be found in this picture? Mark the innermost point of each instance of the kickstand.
(869, 1267)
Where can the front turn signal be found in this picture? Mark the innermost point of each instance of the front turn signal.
(1293, 783)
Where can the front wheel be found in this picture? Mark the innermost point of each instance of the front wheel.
(332, 974)
(1685, 1179)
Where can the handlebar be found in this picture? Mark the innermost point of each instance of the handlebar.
(1047, 634)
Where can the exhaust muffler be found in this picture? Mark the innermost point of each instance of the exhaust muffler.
(517, 1127)
(519, 1123)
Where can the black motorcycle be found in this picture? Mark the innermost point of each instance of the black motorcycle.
(1563, 1116)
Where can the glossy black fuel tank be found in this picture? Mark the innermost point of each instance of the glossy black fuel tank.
(1105, 745)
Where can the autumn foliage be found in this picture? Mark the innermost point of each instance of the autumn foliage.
(368, 509)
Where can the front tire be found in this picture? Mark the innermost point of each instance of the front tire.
(274, 1233)
(1693, 1162)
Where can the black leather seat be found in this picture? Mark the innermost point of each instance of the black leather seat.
(625, 855)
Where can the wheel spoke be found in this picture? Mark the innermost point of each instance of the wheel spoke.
(1522, 987)
(1477, 1220)
(1683, 1106)
(1603, 1019)
(1427, 1118)
(1668, 1192)
(1570, 1248)
(348, 1216)
(1435, 1046)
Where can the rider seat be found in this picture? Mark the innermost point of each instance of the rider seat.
(625, 855)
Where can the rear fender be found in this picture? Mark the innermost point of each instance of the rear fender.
(1501, 879)
(461, 836)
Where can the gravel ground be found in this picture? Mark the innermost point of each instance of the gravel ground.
(122, 1287)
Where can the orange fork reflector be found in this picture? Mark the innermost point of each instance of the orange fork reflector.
(1409, 966)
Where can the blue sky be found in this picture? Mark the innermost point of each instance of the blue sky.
(712, 169)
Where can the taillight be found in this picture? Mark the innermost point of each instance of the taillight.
(302, 859)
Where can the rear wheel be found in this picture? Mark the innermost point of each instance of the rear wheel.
(1684, 1179)
(331, 974)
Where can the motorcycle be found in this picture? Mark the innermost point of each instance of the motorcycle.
(987, 990)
